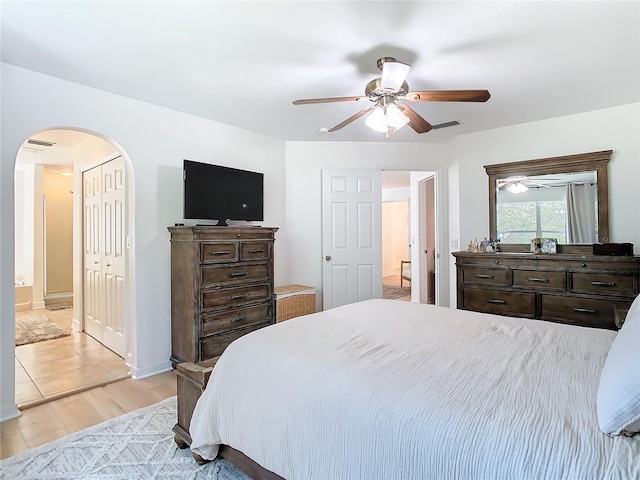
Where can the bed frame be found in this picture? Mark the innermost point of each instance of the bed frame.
(191, 382)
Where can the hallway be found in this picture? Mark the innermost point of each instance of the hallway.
(57, 368)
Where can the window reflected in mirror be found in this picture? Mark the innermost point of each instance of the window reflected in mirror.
(563, 206)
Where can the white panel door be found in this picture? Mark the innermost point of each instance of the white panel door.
(351, 236)
(92, 247)
(104, 193)
(113, 265)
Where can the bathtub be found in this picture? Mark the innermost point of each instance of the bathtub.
(24, 298)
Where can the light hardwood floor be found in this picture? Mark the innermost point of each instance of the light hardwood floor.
(55, 419)
(57, 368)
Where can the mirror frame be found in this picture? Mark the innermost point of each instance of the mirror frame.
(581, 162)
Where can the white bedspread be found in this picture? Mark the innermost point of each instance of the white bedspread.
(386, 389)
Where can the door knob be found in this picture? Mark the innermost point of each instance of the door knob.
(328, 258)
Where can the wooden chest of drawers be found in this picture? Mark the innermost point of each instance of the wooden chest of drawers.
(221, 288)
(583, 290)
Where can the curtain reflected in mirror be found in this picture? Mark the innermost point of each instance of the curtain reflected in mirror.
(563, 206)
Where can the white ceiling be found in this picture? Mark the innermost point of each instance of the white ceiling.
(243, 63)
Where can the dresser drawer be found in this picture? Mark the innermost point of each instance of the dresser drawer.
(521, 304)
(586, 312)
(235, 296)
(494, 276)
(221, 275)
(499, 260)
(540, 279)
(236, 318)
(214, 345)
(616, 264)
(254, 251)
(602, 283)
(219, 252)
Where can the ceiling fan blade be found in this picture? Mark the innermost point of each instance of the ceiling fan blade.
(394, 75)
(449, 96)
(353, 117)
(419, 124)
(307, 101)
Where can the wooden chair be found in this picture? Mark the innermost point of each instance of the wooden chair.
(405, 271)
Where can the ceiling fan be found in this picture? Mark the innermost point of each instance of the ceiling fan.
(387, 91)
(520, 184)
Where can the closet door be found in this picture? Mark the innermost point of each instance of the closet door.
(113, 265)
(104, 206)
(92, 217)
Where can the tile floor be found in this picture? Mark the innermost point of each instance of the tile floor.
(57, 368)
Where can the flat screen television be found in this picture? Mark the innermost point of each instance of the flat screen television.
(213, 192)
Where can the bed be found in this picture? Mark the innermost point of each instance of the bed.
(384, 389)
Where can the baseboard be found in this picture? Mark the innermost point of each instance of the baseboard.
(139, 373)
(75, 325)
(9, 412)
(37, 305)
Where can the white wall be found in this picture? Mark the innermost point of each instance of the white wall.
(24, 198)
(395, 236)
(156, 140)
(608, 129)
(397, 194)
(304, 163)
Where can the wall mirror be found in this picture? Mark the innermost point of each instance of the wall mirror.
(561, 197)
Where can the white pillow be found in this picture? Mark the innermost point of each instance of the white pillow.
(618, 402)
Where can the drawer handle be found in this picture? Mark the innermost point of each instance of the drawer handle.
(584, 310)
(257, 250)
(539, 280)
(238, 274)
(239, 297)
(221, 252)
(604, 284)
(484, 276)
(238, 319)
(496, 302)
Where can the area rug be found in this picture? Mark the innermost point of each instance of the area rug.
(393, 292)
(137, 445)
(36, 328)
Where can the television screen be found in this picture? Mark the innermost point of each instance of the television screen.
(213, 192)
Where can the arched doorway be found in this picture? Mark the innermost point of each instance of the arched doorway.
(55, 368)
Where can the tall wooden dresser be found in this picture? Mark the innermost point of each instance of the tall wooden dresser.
(587, 290)
(221, 287)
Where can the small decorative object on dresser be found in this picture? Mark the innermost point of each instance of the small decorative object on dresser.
(543, 245)
(613, 248)
(221, 287)
(582, 290)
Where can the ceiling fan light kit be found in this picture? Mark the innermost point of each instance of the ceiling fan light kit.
(385, 93)
(517, 187)
(386, 115)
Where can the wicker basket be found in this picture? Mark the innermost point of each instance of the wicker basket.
(294, 301)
